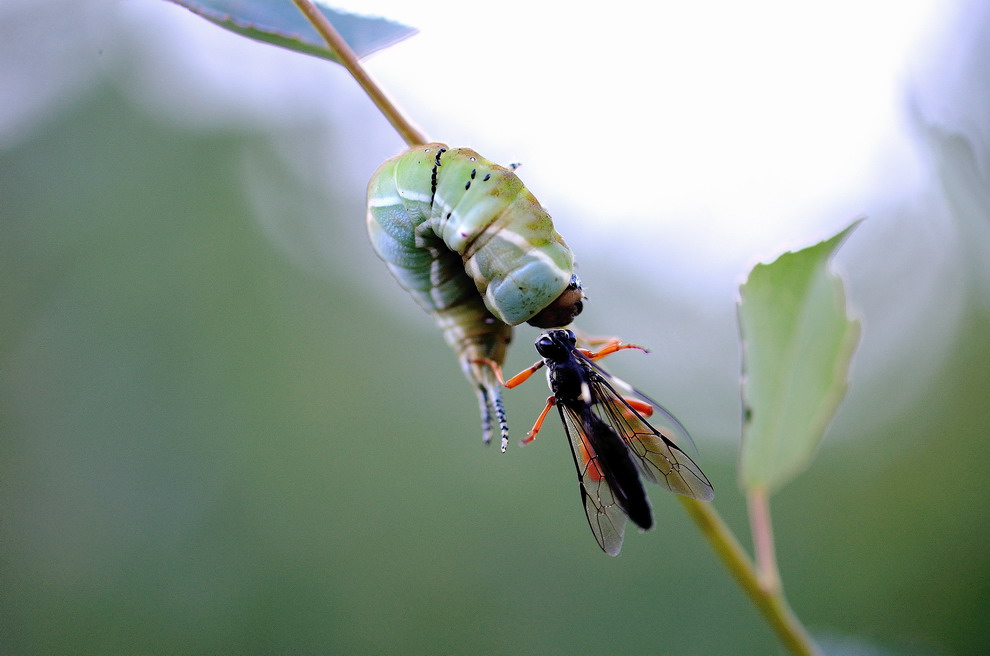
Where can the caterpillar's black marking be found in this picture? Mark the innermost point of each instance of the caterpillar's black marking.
(433, 175)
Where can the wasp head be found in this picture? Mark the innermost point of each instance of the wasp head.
(556, 345)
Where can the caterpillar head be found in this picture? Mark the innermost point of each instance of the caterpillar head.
(563, 309)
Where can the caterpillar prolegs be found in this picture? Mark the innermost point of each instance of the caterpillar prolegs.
(477, 251)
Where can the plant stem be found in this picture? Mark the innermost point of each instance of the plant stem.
(411, 134)
(770, 602)
(766, 557)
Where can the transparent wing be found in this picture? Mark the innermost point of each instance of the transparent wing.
(668, 424)
(605, 516)
(659, 459)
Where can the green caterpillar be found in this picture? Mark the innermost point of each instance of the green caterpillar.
(477, 251)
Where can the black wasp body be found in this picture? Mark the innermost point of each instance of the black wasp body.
(575, 384)
(613, 445)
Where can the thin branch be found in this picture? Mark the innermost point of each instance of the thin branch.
(766, 556)
(772, 604)
(411, 134)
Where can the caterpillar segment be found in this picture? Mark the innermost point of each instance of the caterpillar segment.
(477, 251)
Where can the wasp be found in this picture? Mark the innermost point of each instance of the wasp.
(613, 445)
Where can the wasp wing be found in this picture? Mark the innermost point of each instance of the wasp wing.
(659, 459)
(668, 423)
(611, 489)
(605, 516)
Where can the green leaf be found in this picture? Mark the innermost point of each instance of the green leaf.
(281, 23)
(798, 342)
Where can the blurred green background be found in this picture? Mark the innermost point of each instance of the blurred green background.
(207, 447)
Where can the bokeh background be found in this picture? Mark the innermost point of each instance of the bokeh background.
(224, 428)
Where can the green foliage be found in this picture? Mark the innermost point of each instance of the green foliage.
(797, 346)
(280, 22)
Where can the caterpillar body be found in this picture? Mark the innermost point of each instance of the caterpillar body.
(477, 251)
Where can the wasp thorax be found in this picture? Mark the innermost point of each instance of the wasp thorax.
(563, 309)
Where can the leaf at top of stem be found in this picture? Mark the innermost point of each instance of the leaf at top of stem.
(280, 22)
(798, 342)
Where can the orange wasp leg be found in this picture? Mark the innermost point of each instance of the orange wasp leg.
(612, 346)
(518, 379)
(531, 435)
(642, 407)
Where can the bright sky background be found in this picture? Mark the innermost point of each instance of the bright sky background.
(736, 125)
